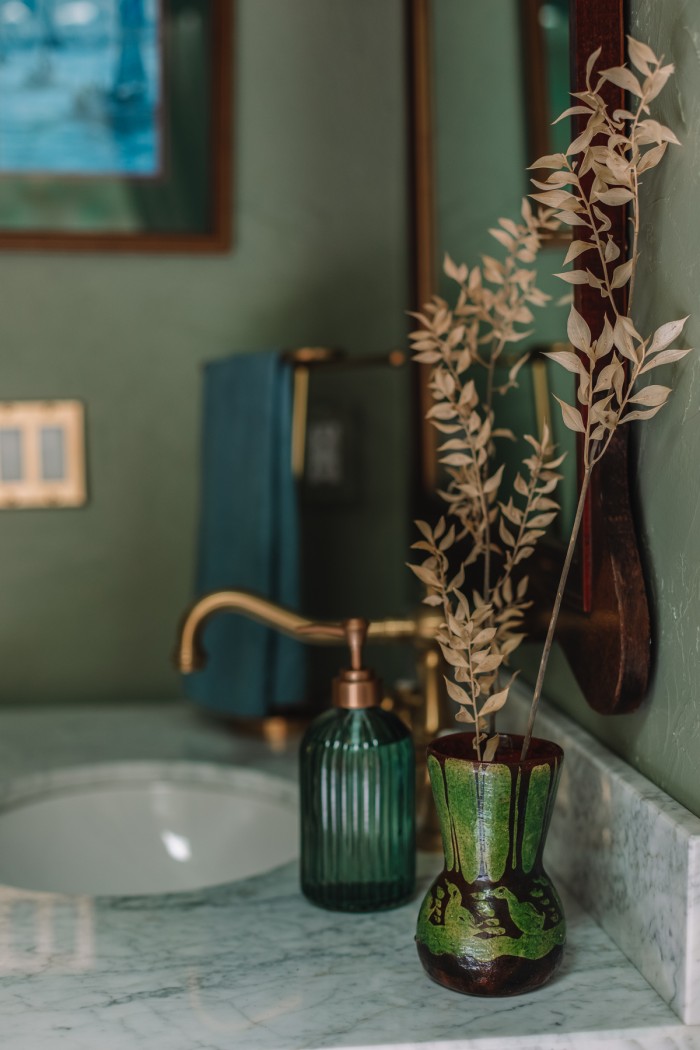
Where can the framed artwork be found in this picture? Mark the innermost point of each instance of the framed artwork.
(115, 124)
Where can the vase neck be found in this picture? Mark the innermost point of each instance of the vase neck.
(493, 816)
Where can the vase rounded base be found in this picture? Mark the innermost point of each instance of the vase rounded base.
(497, 978)
(491, 939)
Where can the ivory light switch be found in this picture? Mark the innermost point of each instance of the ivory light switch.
(42, 454)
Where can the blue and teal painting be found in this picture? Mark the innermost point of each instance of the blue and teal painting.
(81, 87)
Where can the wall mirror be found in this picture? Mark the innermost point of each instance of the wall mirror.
(486, 80)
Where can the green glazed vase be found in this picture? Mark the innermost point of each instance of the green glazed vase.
(492, 923)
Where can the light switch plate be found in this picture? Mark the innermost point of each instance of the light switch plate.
(42, 454)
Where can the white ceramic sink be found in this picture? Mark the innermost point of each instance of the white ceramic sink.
(145, 828)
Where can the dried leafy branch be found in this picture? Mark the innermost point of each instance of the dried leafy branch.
(494, 302)
(600, 171)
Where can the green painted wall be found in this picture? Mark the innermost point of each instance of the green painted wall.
(90, 598)
(663, 738)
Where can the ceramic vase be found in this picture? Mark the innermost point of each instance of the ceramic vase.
(491, 923)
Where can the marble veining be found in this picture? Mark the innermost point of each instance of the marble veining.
(631, 855)
(253, 965)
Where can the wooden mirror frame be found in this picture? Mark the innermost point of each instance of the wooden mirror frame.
(604, 627)
(537, 114)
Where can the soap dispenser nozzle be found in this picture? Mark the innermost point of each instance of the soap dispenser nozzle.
(357, 686)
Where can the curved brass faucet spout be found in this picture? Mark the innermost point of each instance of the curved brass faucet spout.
(190, 655)
(424, 712)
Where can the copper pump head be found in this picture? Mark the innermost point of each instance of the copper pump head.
(357, 686)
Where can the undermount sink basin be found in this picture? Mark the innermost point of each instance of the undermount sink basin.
(142, 827)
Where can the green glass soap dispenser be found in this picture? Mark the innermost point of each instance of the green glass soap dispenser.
(357, 770)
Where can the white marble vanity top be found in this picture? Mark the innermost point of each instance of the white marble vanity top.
(253, 965)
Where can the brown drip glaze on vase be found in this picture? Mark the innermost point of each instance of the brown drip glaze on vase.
(492, 923)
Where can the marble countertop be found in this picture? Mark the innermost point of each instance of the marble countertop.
(253, 965)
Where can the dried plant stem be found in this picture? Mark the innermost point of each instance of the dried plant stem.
(634, 212)
(478, 479)
(489, 382)
(555, 612)
(602, 448)
(523, 528)
(497, 348)
(475, 709)
(600, 247)
(633, 205)
(496, 353)
(599, 171)
(634, 219)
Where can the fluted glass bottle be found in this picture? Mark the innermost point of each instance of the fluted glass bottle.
(357, 810)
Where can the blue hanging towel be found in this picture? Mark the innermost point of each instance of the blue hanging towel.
(249, 534)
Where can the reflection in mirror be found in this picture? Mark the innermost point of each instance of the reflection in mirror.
(546, 39)
(491, 118)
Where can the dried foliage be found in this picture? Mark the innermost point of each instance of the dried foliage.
(603, 166)
(600, 171)
(493, 304)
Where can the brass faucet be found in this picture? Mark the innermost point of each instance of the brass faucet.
(426, 713)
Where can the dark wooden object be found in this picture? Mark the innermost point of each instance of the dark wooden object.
(217, 237)
(604, 626)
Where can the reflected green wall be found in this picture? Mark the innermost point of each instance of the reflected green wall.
(481, 161)
(481, 148)
(663, 738)
(90, 598)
